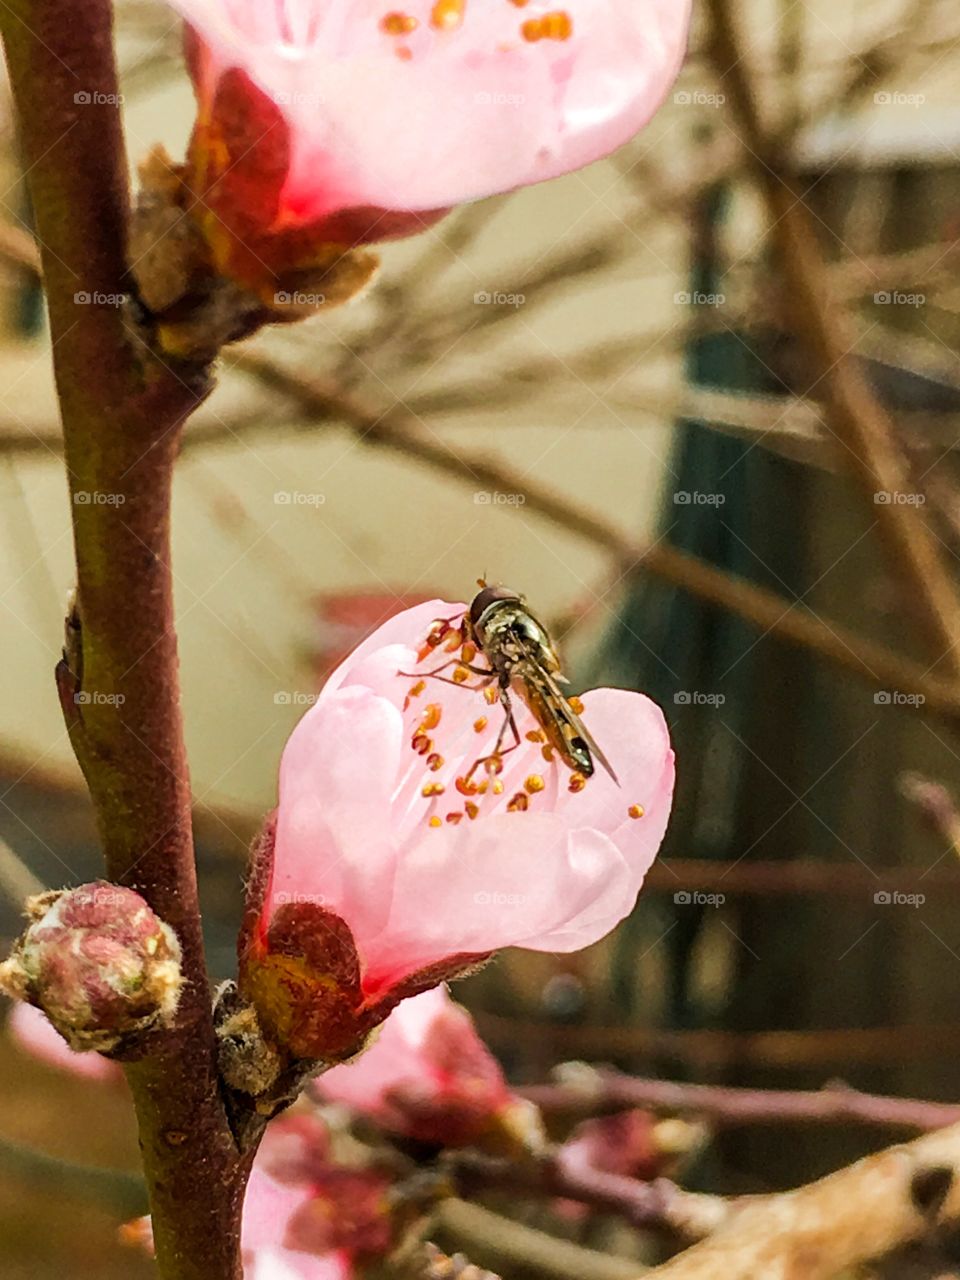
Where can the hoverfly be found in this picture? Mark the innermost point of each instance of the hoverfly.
(522, 658)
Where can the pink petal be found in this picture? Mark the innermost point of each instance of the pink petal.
(31, 1030)
(464, 112)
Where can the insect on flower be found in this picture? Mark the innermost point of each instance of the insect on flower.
(523, 658)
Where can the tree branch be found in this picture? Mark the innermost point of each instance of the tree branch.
(856, 417)
(122, 411)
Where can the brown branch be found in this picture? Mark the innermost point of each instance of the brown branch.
(122, 411)
(397, 430)
(861, 1213)
(660, 1204)
(856, 417)
(590, 1091)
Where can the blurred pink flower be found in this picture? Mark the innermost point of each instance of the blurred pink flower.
(31, 1030)
(429, 1076)
(360, 114)
(387, 873)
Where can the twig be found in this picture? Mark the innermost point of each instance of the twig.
(856, 417)
(660, 1204)
(122, 411)
(585, 1090)
(936, 805)
(121, 1194)
(510, 1246)
(861, 1213)
(400, 432)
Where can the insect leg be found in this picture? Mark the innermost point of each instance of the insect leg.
(499, 751)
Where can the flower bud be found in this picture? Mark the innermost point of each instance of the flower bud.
(98, 962)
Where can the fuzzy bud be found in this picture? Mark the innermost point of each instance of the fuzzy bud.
(98, 962)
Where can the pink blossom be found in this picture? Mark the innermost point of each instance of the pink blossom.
(429, 1076)
(420, 105)
(388, 873)
(32, 1032)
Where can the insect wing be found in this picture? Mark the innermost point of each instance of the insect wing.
(557, 717)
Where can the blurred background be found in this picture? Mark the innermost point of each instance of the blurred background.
(599, 392)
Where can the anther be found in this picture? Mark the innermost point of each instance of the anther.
(577, 782)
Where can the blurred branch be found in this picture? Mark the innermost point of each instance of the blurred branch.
(661, 1203)
(792, 877)
(903, 1194)
(935, 803)
(17, 881)
(122, 1194)
(583, 1090)
(856, 417)
(399, 431)
(843, 1048)
(508, 1246)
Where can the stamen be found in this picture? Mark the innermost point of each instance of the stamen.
(479, 724)
(398, 24)
(576, 706)
(491, 694)
(552, 26)
(482, 789)
(536, 735)
(418, 688)
(422, 744)
(431, 716)
(519, 803)
(534, 784)
(454, 818)
(460, 675)
(466, 787)
(447, 15)
(468, 652)
(493, 764)
(435, 822)
(471, 810)
(548, 754)
(498, 788)
(434, 762)
(577, 782)
(432, 789)
(636, 811)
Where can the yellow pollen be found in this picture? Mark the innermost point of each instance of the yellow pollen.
(519, 803)
(577, 782)
(468, 652)
(435, 822)
(418, 688)
(434, 762)
(482, 789)
(534, 783)
(431, 716)
(576, 706)
(536, 735)
(471, 810)
(548, 754)
(398, 24)
(433, 789)
(557, 25)
(479, 724)
(635, 811)
(460, 675)
(447, 15)
(498, 788)
(454, 642)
